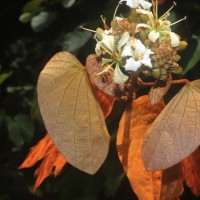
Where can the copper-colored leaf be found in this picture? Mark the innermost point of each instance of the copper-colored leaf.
(191, 166)
(105, 80)
(172, 183)
(135, 121)
(157, 92)
(176, 132)
(52, 159)
(72, 114)
(37, 152)
(106, 102)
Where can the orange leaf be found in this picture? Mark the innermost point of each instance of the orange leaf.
(37, 152)
(135, 121)
(52, 158)
(106, 102)
(191, 166)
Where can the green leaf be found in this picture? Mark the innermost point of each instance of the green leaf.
(68, 3)
(42, 20)
(25, 17)
(32, 6)
(4, 76)
(195, 58)
(21, 129)
(73, 41)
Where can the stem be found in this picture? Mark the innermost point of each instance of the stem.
(149, 84)
(186, 81)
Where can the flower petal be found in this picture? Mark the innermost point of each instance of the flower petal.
(153, 36)
(123, 40)
(98, 48)
(131, 3)
(132, 65)
(108, 41)
(139, 47)
(141, 25)
(175, 41)
(145, 4)
(119, 77)
(127, 51)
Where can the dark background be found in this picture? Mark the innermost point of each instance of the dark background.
(26, 44)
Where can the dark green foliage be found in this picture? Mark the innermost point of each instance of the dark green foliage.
(31, 32)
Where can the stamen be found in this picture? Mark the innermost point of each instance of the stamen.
(156, 9)
(116, 10)
(184, 18)
(104, 70)
(87, 29)
(104, 22)
(107, 51)
(167, 12)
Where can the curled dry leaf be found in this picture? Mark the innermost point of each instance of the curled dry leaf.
(191, 169)
(172, 183)
(45, 150)
(176, 132)
(157, 92)
(105, 80)
(105, 101)
(135, 121)
(72, 114)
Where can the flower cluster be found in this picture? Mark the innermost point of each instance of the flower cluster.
(142, 42)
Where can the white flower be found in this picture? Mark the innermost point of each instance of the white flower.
(175, 41)
(137, 3)
(119, 77)
(153, 36)
(137, 55)
(98, 48)
(119, 18)
(107, 43)
(123, 41)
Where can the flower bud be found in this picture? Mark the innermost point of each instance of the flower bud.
(182, 46)
(177, 70)
(143, 35)
(99, 32)
(156, 73)
(133, 16)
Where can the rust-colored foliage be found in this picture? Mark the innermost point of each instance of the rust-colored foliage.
(159, 90)
(135, 121)
(106, 102)
(191, 166)
(45, 150)
(172, 183)
(105, 80)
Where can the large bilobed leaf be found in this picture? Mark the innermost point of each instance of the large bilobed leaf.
(135, 121)
(104, 81)
(72, 114)
(191, 169)
(176, 132)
